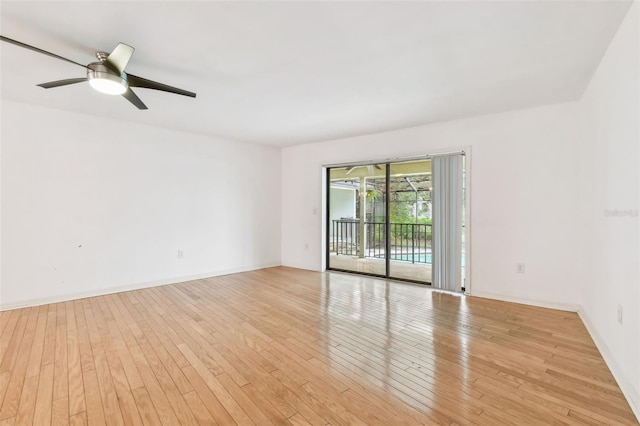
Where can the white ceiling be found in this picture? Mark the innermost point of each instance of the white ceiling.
(285, 73)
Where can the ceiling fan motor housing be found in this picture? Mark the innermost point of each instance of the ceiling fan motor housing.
(99, 73)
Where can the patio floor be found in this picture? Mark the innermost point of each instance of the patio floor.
(370, 265)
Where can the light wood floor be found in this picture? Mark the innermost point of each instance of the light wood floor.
(287, 346)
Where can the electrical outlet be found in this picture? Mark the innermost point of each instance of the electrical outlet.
(520, 268)
(620, 314)
(180, 254)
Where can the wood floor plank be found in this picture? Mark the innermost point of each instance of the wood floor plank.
(333, 373)
(8, 338)
(27, 404)
(4, 319)
(15, 386)
(153, 388)
(248, 404)
(74, 366)
(298, 420)
(148, 413)
(126, 401)
(257, 377)
(128, 365)
(180, 407)
(167, 337)
(61, 361)
(287, 346)
(95, 410)
(109, 397)
(5, 377)
(212, 403)
(221, 393)
(37, 345)
(375, 390)
(84, 340)
(49, 343)
(266, 405)
(198, 409)
(337, 413)
(44, 397)
(60, 413)
(163, 358)
(79, 419)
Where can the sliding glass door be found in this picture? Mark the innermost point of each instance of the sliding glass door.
(410, 216)
(357, 214)
(400, 220)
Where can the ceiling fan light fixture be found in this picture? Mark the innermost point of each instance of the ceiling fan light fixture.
(106, 81)
(107, 86)
(108, 75)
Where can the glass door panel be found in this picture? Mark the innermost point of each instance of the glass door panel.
(410, 215)
(356, 219)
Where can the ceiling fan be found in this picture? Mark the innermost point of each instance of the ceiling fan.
(107, 75)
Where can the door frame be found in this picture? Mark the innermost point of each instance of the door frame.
(326, 187)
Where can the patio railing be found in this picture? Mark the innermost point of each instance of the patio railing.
(410, 242)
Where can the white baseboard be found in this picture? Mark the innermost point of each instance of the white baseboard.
(531, 302)
(633, 398)
(129, 287)
(301, 266)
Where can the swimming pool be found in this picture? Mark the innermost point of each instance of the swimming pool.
(417, 258)
(412, 257)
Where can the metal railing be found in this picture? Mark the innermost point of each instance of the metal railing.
(410, 242)
(346, 237)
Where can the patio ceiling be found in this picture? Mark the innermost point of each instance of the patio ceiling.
(409, 168)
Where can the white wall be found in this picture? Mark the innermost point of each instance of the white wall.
(523, 197)
(91, 205)
(343, 204)
(609, 177)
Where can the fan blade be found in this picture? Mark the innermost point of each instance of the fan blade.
(59, 83)
(135, 81)
(35, 49)
(120, 56)
(134, 99)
